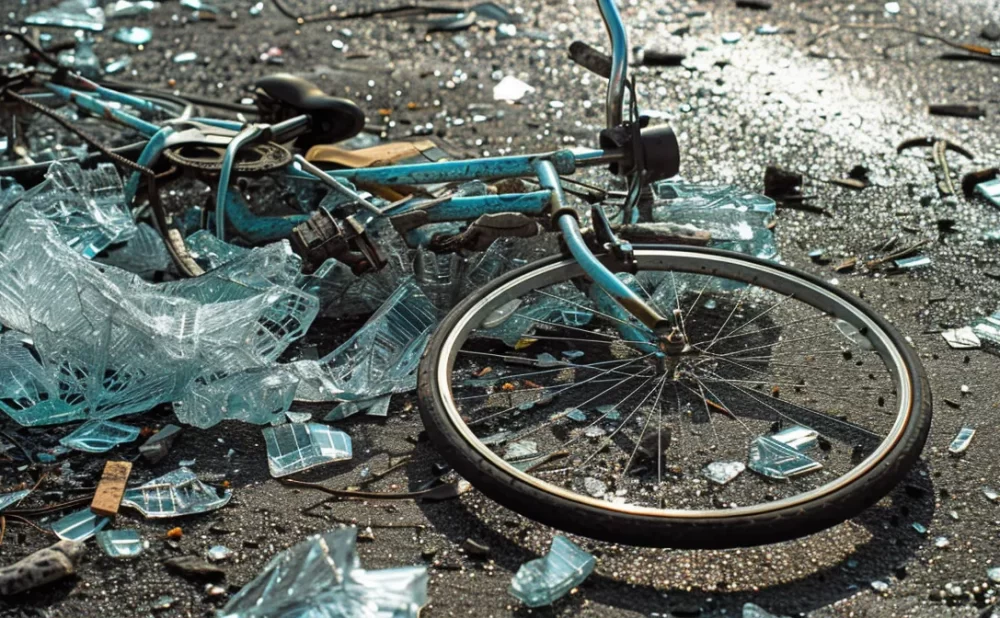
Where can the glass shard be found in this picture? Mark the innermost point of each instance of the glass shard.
(99, 342)
(522, 449)
(563, 303)
(545, 580)
(81, 59)
(260, 395)
(158, 445)
(120, 543)
(756, 611)
(296, 447)
(962, 338)
(79, 526)
(722, 472)
(911, 263)
(990, 190)
(961, 441)
(382, 357)
(12, 498)
(322, 577)
(175, 494)
(129, 8)
(87, 207)
(134, 35)
(80, 14)
(511, 89)
(775, 459)
(144, 254)
(372, 407)
(218, 553)
(799, 438)
(988, 328)
(99, 436)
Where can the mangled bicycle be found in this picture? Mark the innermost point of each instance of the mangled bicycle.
(638, 387)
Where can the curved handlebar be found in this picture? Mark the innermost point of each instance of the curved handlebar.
(619, 61)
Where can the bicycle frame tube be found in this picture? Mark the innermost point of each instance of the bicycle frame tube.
(598, 272)
(619, 61)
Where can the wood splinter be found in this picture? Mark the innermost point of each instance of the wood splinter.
(111, 489)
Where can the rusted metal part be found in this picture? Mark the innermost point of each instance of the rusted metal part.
(939, 148)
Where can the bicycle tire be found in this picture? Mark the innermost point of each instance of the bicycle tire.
(613, 525)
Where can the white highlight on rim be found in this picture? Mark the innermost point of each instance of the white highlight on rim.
(879, 338)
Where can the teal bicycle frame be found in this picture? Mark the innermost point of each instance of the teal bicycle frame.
(547, 167)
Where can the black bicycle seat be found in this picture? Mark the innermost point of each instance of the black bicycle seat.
(282, 96)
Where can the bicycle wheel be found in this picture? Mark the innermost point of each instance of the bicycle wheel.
(781, 406)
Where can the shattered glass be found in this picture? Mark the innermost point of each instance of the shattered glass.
(988, 328)
(382, 357)
(207, 249)
(545, 580)
(373, 407)
(100, 343)
(322, 577)
(295, 447)
(722, 472)
(129, 8)
(134, 35)
(756, 611)
(80, 14)
(79, 526)
(120, 543)
(82, 59)
(175, 494)
(961, 441)
(87, 207)
(961, 338)
(737, 220)
(144, 254)
(990, 190)
(260, 395)
(562, 303)
(99, 436)
(12, 498)
(780, 456)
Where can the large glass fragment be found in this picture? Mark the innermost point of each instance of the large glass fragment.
(322, 577)
(372, 407)
(295, 447)
(545, 580)
(382, 357)
(736, 219)
(120, 543)
(99, 436)
(79, 526)
(87, 207)
(100, 343)
(12, 498)
(81, 14)
(175, 494)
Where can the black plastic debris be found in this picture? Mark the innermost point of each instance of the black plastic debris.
(957, 111)
(781, 184)
(757, 5)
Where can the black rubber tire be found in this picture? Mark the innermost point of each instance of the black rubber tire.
(644, 530)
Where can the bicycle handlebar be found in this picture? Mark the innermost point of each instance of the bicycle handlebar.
(619, 61)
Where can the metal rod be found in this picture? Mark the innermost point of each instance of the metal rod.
(331, 182)
(619, 61)
(598, 272)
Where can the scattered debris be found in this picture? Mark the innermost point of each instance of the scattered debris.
(511, 89)
(175, 494)
(111, 489)
(961, 441)
(42, 567)
(295, 447)
(958, 111)
(120, 543)
(722, 472)
(545, 580)
(195, 568)
(962, 338)
(158, 446)
(323, 574)
(782, 455)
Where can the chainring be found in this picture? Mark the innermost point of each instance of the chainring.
(253, 160)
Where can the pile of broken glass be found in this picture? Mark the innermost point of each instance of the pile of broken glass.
(87, 336)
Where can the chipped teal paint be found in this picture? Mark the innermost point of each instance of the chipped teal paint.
(254, 228)
(147, 158)
(91, 104)
(466, 208)
(454, 171)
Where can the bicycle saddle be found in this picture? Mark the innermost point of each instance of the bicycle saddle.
(282, 96)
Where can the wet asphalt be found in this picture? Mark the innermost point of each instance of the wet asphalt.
(810, 99)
